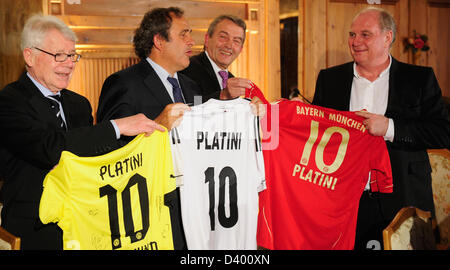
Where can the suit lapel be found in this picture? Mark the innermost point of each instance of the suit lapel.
(210, 70)
(38, 103)
(187, 91)
(393, 99)
(343, 96)
(154, 84)
(69, 106)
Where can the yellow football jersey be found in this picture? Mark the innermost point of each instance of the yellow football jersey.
(114, 201)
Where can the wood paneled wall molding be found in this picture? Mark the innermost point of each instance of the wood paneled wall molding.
(322, 34)
(384, 2)
(105, 29)
(90, 74)
(193, 9)
(12, 20)
(440, 3)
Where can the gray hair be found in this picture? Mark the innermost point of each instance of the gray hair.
(236, 20)
(385, 19)
(37, 27)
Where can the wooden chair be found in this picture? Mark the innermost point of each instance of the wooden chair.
(440, 164)
(397, 235)
(8, 241)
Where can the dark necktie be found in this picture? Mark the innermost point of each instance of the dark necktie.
(177, 97)
(54, 101)
(224, 76)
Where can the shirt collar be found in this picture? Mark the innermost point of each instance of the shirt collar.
(214, 65)
(160, 71)
(383, 73)
(44, 90)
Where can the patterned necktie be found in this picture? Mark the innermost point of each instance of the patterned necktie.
(177, 97)
(55, 100)
(224, 76)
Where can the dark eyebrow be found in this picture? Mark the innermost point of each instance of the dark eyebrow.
(184, 31)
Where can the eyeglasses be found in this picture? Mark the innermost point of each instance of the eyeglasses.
(61, 57)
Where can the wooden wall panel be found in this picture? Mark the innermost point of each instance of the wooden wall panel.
(314, 48)
(271, 51)
(12, 20)
(438, 31)
(193, 9)
(105, 29)
(90, 74)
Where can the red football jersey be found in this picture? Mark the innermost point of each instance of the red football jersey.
(254, 91)
(316, 175)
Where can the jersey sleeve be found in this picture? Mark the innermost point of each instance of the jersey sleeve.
(56, 188)
(254, 91)
(260, 169)
(264, 235)
(177, 157)
(169, 165)
(381, 173)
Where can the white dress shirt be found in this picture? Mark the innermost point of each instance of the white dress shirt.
(216, 70)
(373, 97)
(163, 74)
(46, 92)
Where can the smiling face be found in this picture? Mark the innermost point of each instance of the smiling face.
(176, 51)
(225, 44)
(53, 75)
(369, 45)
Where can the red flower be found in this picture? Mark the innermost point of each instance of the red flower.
(418, 43)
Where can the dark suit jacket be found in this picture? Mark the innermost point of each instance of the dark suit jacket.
(31, 145)
(201, 71)
(420, 121)
(138, 89)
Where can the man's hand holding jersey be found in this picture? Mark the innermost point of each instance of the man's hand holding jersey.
(137, 124)
(172, 115)
(376, 124)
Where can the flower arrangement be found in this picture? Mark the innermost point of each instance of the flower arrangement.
(416, 43)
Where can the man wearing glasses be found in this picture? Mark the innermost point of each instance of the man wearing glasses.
(39, 119)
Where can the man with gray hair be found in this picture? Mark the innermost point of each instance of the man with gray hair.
(224, 41)
(39, 119)
(401, 102)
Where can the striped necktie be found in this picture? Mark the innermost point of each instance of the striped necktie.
(55, 100)
(224, 76)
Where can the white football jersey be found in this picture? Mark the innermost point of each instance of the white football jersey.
(219, 166)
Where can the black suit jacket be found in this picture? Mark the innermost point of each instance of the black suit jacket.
(31, 144)
(201, 71)
(420, 122)
(138, 89)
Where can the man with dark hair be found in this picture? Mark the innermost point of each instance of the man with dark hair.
(224, 41)
(401, 102)
(153, 86)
